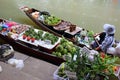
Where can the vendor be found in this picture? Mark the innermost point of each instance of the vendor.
(106, 38)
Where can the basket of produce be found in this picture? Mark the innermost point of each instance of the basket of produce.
(59, 74)
(62, 74)
(51, 20)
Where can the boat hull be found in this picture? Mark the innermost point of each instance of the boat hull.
(49, 28)
(32, 51)
(40, 53)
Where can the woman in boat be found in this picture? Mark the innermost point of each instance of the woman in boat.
(106, 39)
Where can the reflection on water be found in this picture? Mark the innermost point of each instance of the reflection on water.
(89, 14)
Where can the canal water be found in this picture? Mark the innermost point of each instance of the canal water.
(89, 14)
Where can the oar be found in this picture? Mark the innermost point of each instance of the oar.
(95, 39)
(97, 43)
(98, 48)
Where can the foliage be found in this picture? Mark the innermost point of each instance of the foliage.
(65, 48)
(39, 35)
(32, 33)
(101, 67)
(52, 20)
(50, 37)
(84, 37)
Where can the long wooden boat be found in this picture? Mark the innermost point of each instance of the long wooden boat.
(78, 36)
(63, 28)
(7, 34)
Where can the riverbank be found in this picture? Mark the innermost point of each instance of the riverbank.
(34, 69)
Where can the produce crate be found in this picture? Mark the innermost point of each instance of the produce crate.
(56, 76)
(71, 75)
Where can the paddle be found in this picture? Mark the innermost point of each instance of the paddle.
(94, 36)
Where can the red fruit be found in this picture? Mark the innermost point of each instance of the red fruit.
(115, 68)
(102, 55)
(24, 36)
(33, 39)
(28, 38)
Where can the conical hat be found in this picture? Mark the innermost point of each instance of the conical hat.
(109, 29)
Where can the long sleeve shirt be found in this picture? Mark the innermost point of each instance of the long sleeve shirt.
(108, 42)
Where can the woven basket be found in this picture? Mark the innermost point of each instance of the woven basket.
(4, 59)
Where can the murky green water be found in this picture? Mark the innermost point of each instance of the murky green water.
(89, 14)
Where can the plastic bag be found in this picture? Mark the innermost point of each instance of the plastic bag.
(111, 50)
(0, 69)
(19, 64)
(118, 49)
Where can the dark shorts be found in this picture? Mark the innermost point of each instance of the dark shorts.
(94, 45)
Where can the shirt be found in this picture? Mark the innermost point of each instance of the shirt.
(108, 42)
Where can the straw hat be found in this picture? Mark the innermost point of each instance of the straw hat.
(109, 29)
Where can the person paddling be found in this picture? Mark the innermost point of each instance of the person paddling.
(106, 38)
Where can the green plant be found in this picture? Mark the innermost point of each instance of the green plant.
(65, 48)
(101, 67)
(52, 20)
(50, 37)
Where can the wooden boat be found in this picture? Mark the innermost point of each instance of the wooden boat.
(43, 26)
(82, 37)
(62, 28)
(11, 37)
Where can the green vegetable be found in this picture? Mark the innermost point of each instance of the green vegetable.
(59, 48)
(65, 48)
(52, 20)
(90, 33)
